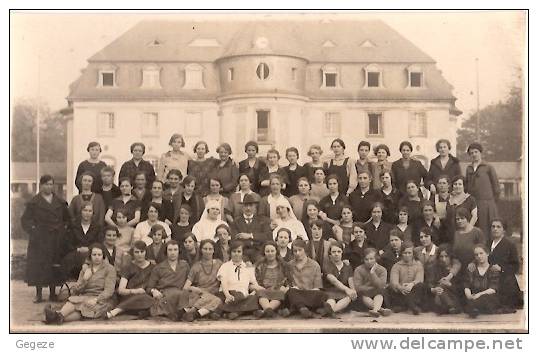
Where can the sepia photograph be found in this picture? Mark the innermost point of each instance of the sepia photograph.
(268, 172)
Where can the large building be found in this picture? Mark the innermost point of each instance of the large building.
(281, 83)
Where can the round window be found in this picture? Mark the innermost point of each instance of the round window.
(262, 71)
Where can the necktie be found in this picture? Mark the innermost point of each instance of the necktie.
(238, 270)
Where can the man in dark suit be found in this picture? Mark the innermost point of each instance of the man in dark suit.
(251, 229)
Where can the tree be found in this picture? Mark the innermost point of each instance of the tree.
(53, 141)
(501, 130)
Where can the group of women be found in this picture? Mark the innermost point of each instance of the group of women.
(207, 237)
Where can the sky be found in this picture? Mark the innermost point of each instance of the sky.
(48, 50)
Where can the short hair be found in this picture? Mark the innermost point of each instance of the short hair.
(113, 229)
(318, 223)
(445, 141)
(444, 176)
(298, 243)
(45, 179)
(85, 204)
(319, 168)
(446, 248)
(275, 176)
(311, 202)
(338, 244)
(236, 244)
(292, 149)
(175, 137)
(253, 144)
(407, 244)
(138, 144)
(364, 143)
(456, 178)
(475, 146)
(87, 173)
(108, 169)
(186, 207)
(426, 203)
(403, 209)
(426, 231)
(223, 226)
(395, 232)
(481, 246)
(215, 178)
(378, 204)
(269, 243)
(369, 251)
(155, 228)
(96, 246)
(500, 220)
(156, 206)
(242, 175)
(367, 172)
(411, 181)
(382, 146)
(360, 225)
(188, 179)
(340, 142)
(175, 172)
(273, 151)
(462, 212)
(332, 176)
(157, 181)
(94, 144)
(226, 147)
(314, 147)
(285, 230)
(405, 143)
(190, 235)
(303, 179)
(200, 143)
(207, 241)
(140, 245)
(123, 211)
(140, 173)
(171, 242)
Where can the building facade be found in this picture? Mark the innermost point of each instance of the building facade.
(281, 83)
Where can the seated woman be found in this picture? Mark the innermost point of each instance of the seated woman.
(481, 285)
(377, 231)
(189, 249)
(126, 236)
(428, 220)
(317, 246)
(215, 187)
(127, 202)
(203, 285)
(271, 274)
(318, 188)
(505, 259)
(338, 281)
(267, 206)
(133, 282)
(142, 229)
(166, 284)
(370, 280)
(82, 235)
(87, 195)
(332, 204)
(298, 200)
(283, 242)
(354, 252)
(155, 252)
(285, 220)
(426, 253)
(403, 224)
(442, 283)
(466, 237)
(304, 277)
(412, 199)
(112, 254)
(342, 231)
(392, 253)
(205, 228)
(183, 224)
(92, 294)
(407, 282)
(223, 235)
(236, 283)
(266, 174)
(166, 209)
(236, 199)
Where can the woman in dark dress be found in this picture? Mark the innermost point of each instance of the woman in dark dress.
(183, 224)
(272, 167)
(343, 167)
(443, 164)
(133, 284)
(505, 259)
(92, 165)
(407, 168)
(294, 171)
(82, 235)
(252, 165)
(200, 167)
(87, 195)
(331, 206)
(166, 212)
(390, 196)
(137, 164)
(46, 220)
(413, 201)
(225, 170)
(459, 199)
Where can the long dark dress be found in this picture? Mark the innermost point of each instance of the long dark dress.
(253, 173)
(136, 278)
(95, 170)
(505, 255)
(200, 170)
(341, 172)
(487, 303)
(46, 224)
(170, 283)
(293, 177)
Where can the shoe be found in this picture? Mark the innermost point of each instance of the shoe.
(474, 313)
(385, 312)
(374, 313)
(453, 311)
(305, 313)
(329, 311)
(415, 310)
(38, 299)
(214, 316)
(59, 318)
(143, 314)
(284, 312)
(106, 316)
(51, 316)
(190, 316)
(232, 316)
(258, 314)
(321, 311)
(269, 313)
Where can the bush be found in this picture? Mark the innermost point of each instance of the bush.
(17, 209)
(512, 212)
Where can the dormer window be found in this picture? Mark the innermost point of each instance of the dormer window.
(415, 76)
(151, 77)
(373, 76)
(330, 77)
(107, 77)
(194, 77)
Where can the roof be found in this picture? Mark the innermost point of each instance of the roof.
(302, 38)
(505, 170)
(26, 171)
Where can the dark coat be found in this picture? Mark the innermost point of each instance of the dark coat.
(452, 168)
(505, 255)
(129, 169)
(95, 170)
(482, 183)
(47, 225)
(378, 237)
(253, 173)
(228, 176)
(197, 210)
(415, 171)
(260, 229)
(362, 204)
(73, 260)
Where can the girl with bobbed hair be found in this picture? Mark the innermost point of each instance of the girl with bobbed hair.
(272, 168)
(459, 199)
(200, 167)
(92, 165)
(86, 194)
(252, 165)
(381, 166)
(314, 152)
(466, 237)
(343, 167)
(444, 164)
(407, 168)
(370, 280)
(294, 170)
(173, 159)
(137, 164)
(225, 170)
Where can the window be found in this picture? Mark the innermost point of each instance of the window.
(262, 130)
(417, 124)
(194, 77)
(193, 124)
(332, 124)
(262, 71)
(375, 124)
(150, 124)
(107, 78)
(151, 77)
(294, 74)
(415, 76)
(373, 76)
(230, 74)
(330, 76)
(106, 124)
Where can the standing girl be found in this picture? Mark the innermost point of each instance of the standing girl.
(294, 171)
(382, 165)
(173, 159)
(225, 170)
(271, 168)
(314, 152)
(252, 165)
(390, 197)
(93, 166)
(343, 167)
(200, 167)
(318, 188)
